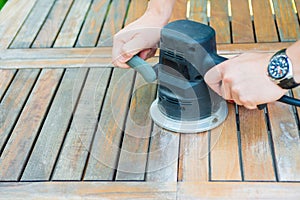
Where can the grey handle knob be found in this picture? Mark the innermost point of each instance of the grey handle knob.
(142, 67)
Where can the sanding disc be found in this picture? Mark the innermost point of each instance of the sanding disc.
(197, 126)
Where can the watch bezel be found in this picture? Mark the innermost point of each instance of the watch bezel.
(277, 58)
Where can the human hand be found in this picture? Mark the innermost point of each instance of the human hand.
(244, 79)
(141, 36)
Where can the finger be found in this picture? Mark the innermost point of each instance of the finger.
(226, 91)
(134, 46)
(214, 79)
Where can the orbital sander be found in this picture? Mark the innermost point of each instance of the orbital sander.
(184, 102)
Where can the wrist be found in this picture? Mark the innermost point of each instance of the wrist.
(161, 10)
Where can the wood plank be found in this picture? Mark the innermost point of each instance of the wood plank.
(256, 152)
(74, 153)
(179, 10)
(101, 56)
(102, 161)
(88, 190)
(236, 190)
(225, 161)
(18, 147)
(242, 31)
(219, 20)
(15, 13)
(264, 23)
(105, 149)
(19, 156)
(32, 25)
(163, 156)
(134, 151)
(193, 157)
(140, 190)
(62, 108)
(92, 27)
(114, 22)
(286, 141)
(286, 17)
(6, 78)
(198, 11)
(12, 103)
(133, 155)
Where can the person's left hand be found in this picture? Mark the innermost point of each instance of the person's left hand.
(244, 80)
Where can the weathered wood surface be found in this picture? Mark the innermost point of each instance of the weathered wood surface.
(133, 190)
(92, 123)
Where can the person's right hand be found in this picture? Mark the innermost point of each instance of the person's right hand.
(140, 37)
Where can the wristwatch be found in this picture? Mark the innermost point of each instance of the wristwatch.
(280, 70)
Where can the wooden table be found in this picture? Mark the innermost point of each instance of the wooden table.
(86, 132)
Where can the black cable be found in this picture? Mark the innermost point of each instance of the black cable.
(289, 100)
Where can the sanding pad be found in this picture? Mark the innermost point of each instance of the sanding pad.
(188, 126)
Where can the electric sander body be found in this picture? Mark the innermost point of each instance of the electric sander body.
(184, 102)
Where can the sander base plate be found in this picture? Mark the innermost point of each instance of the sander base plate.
(188, 126)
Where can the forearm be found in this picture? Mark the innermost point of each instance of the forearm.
(293, 53)
(161, 8)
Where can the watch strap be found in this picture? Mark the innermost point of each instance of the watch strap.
(288, 83)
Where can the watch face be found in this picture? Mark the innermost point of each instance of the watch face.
(278, 67)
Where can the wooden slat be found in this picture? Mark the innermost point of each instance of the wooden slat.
(12, 103)
(71, 162)
(225, 162)
(20, 11)
(264, 22)
(256, 152)
(286, 141)
(238, 191)
(6, 78)
(105, 150)
(133, 190)
(101, 56)
(163, 156)
(114, 22)
(198, 11)
(40, 166)
(18, 156)
(179, 10)
(18, 147)
(193, 157)
(32, 25)
(242, 31)
(133, 155)
(286, 17)
(219, 20)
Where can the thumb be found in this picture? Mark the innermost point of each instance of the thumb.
(213, 79)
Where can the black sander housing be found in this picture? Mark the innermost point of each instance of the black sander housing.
(184, 102)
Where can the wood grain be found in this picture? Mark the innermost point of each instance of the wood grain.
(225, 162)
(256, 151)
(242, 31)
(133, 154)
(179, 10)
(133, 190)
(16, 17)
(286, 141)
(264, 23)
(163, 156)
(286, 17)
(198, 11)
(106, 145)
(40, 165)
(219, 20)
